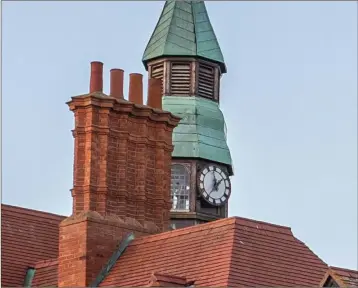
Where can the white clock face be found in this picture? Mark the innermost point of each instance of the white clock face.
(214, 185)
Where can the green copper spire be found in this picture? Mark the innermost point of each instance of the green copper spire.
(184, 29)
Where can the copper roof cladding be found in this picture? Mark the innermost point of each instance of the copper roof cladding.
(184, 29)
(229, 252)
(27, 236)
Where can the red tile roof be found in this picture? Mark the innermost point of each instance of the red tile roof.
(45, 274)
(228, 252)
(343, 277)
(27, 236)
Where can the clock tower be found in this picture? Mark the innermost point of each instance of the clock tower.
(184, 53)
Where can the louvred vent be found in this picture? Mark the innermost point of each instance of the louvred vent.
(206, 83)
(180, 79)
(158, 72)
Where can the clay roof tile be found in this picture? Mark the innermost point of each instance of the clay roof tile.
(27, 236)
(229, 252)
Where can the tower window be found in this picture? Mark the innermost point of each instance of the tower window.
(180, 78)
(206, 81)
(180, 188)
(157, 71)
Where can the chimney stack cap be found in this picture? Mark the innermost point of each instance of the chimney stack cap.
(116, 69)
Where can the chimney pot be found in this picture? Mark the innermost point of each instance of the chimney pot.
(136, 88)
(116, 84)
(96, 81)
(155, 93)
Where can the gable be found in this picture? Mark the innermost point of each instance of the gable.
(340, 277)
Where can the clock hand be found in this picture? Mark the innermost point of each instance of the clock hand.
(214, 180)
(217, 184)
(214, 188)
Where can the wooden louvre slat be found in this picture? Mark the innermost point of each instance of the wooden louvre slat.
(206, 81)
(180, 79)
(158, 72)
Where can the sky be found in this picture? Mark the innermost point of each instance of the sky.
(289, 99)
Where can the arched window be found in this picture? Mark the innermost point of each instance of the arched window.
(180, 188)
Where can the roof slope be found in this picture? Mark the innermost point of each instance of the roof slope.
(45, 274)
(343, 277)
(347, 276)
(228, 252)
(184, 29)
(27, 236)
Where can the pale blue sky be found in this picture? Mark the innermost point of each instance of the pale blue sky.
(289, 99)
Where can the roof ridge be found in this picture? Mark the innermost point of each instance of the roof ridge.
(156, 25)
(170, 22)
(343, 269)
(31, 212)
(207, 226)
(194, 28)
(186, 230)
(263, 222)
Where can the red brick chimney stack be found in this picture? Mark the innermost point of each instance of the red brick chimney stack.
(96, 82)
(154, 93)
(136, 88)
(116, 83)
(121, 179)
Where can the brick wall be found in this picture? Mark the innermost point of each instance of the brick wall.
(122, 159)
(87, 241)
(122, 152)
(122, 162)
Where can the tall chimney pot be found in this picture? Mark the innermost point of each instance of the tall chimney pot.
(96, 82)
(136, 88)
(155, 93)
(116, 84)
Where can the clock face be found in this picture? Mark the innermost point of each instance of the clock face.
(214, 185)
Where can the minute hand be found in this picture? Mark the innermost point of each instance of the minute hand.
(218, 183)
